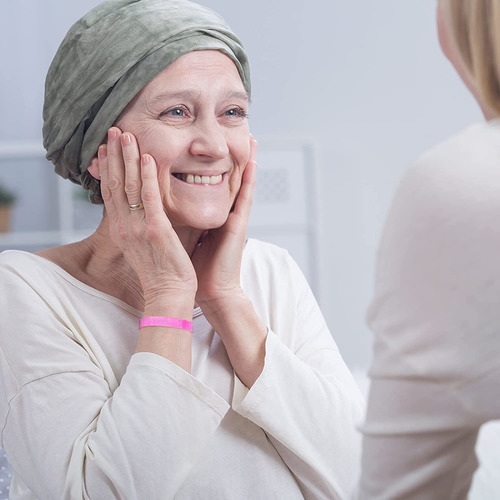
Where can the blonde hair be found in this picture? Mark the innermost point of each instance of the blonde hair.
(475, 27)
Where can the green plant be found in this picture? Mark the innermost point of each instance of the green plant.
(7, 197)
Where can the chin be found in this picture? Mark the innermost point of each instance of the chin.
(205, 221)
(209, 223)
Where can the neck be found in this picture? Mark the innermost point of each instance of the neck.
(488, 114)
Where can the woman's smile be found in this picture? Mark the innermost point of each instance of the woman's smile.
(200, 179)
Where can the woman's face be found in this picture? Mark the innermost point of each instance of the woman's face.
(192, 118)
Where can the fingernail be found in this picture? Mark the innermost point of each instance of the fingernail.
(102, 151)
(126, 139)
(111, 134)
(144, 159)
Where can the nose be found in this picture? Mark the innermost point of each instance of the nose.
(209, 140)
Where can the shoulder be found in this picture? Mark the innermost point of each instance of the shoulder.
(451, 190)
(27, 277)
(438, 276)
(18, 263)
(272, 278)
(23, 265)
(262, 253)
(464, 168)
(441, 238)
(267, 263)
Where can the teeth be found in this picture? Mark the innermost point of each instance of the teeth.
(200, 179)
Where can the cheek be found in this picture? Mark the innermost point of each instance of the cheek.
(241, 153)
(240, 147)
(240, 159)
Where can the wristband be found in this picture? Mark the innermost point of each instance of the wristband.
(183, 324)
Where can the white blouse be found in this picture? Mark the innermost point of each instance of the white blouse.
(82, 416)
(436, 319)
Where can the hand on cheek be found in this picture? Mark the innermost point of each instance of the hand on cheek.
(137, 222)
(218, 259)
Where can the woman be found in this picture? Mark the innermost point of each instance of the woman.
(106, 391)
(436, 311)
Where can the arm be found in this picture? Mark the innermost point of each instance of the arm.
(301, 392)
(149, 244)
(305, 399)
(308, 403)
(434, 316)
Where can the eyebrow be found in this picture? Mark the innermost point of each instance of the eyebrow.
(193, 95)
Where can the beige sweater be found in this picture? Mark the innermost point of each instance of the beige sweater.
(436, 319)
(84, 417)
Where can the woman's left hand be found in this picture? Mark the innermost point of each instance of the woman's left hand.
(217, 260)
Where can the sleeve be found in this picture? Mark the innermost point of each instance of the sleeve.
(68, 436)
(435, 376)
(306, 399)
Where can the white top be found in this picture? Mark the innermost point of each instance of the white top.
(84, 417)
(436, 319)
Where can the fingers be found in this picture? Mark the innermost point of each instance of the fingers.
(102, 154)
(244, 200)
(131, 159)
(113, 180)
(253, 149)
(150, 192)
(119, 165)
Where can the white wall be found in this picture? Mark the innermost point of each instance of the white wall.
(364, 79)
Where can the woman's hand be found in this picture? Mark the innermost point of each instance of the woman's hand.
(145, 236)
(217, 260)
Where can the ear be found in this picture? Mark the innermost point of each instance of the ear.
(93, 168)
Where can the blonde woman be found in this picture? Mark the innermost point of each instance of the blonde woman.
(436, 310)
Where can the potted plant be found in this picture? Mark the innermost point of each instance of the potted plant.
(7, 198)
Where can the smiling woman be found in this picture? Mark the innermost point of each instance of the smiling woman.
(165, 355)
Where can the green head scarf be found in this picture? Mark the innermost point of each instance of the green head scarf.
(107, 57)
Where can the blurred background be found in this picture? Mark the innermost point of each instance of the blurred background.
(346, 96)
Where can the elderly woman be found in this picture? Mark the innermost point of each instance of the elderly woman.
(436, 312)
(165, 356)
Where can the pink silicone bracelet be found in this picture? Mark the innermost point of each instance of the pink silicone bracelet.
(183, 324)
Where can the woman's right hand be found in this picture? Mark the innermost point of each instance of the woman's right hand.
(149, 243)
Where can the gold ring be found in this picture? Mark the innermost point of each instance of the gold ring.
(139, 206)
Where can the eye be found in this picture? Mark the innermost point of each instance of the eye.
(177, 112)
(236, 112)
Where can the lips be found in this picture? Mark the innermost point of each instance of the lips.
(199, 179)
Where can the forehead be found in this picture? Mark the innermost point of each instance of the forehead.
(197, 72)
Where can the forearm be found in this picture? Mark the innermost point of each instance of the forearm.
(139, 443)
(242, 332)
(309, 416)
